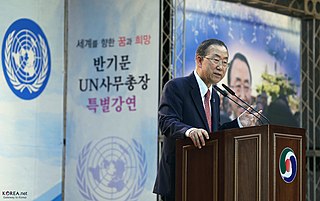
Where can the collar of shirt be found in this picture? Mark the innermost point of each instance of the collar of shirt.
(202, 86)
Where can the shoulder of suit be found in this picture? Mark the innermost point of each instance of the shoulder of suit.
(182, 81)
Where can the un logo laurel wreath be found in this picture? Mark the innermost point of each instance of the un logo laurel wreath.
(81, 180)
(13, 78)
(26, 59)
(87, 190)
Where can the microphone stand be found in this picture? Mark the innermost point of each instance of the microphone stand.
(234, 94)
(226, 95)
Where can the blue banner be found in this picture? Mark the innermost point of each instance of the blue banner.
(31, 99)
(112, 99)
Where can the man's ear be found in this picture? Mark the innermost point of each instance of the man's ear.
(199, 61)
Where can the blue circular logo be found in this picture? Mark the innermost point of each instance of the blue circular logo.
(112, 169)
(288, 165)
(26, 59)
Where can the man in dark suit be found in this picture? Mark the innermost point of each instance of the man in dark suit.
(185, 111)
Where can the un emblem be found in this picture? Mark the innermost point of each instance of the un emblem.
(111, 169)
(26, 59)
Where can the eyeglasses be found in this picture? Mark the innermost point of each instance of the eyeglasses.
(217, 61)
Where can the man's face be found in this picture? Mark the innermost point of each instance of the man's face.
(240, 83)
(213, 65)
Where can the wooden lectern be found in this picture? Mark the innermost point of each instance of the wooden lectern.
(249, 164)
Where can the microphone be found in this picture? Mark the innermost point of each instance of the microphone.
(226, 95)
(234, 94)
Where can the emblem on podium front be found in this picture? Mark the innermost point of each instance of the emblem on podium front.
(288, 165)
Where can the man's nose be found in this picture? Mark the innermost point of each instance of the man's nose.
(243, 94)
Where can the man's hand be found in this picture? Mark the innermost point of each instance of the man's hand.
(247, 119)
(198, 136)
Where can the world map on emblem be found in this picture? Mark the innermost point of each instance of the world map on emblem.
(112, 169)
(288, 165)
(26, 59)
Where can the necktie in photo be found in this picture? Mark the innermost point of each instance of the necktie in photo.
(207, 108)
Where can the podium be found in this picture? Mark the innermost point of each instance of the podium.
(264, 163)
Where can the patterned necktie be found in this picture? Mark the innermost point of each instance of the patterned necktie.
(207, 108)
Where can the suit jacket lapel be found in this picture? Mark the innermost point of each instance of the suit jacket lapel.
(197, 99)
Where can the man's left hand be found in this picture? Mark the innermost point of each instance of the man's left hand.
(247, 119)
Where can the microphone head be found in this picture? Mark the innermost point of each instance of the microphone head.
(220, 91)
(228, 89)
